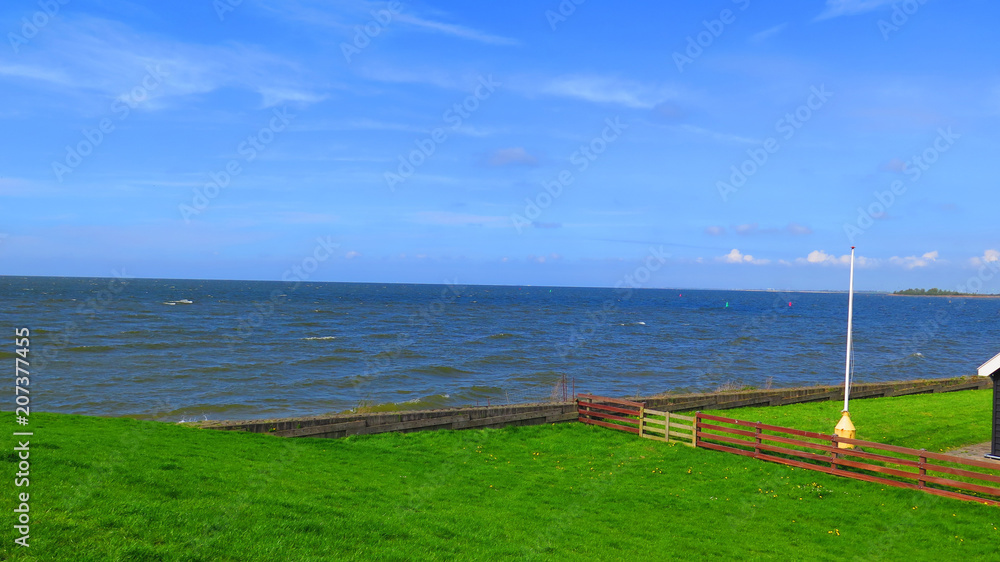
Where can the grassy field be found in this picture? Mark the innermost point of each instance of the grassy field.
(121, 489)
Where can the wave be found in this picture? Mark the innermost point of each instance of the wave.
(633, 324)
(501, 336)
(324, 359)
(90, 348)
(318, 338)
(181, 301)
(441, 370)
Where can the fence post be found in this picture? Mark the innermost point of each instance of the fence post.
(921, 470)
(666, 427)
(697, 423)
(642, 418)
(756, 447)
(833, 454)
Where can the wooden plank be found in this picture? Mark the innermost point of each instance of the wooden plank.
(610, 417)
(794, 452)
(799, 432)
(728, 420)
(561, 417)
(795, 463)
(959, 496)
(882, 446)
(876, 479)
(674, 416)
(725, 449)
(478, 422)
(611, 426)
(877, 468)
(320, 429)
(414, 424)
(610, 408)
(960, 472)
(989, 465)
(876, 457)
(728, 430)
(962, 485)
(687, 436)
(612, 400)
(716, 437)
(799, 442)
(650, 412)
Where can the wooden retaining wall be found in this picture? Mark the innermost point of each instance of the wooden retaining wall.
(783, 396)
(342, 425)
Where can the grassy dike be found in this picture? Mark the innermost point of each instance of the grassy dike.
(121, 489)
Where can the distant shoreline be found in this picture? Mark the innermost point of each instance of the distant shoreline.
(949, 296)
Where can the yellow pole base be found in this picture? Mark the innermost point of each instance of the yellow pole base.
(845, 428)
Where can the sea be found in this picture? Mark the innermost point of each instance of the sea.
(184, 350)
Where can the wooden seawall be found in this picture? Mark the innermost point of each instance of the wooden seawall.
(342, 425)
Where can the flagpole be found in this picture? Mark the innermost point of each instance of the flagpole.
(850, 318)
(845, 428)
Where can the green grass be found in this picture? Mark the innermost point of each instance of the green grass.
(121, 489)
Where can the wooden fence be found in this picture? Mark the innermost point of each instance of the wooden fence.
(634, 417)
(934, 473)
(893, 466)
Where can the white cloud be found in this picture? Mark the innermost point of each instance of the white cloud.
(715, 230)
(989, 256)
(604, 89)
(456, 30)
(764, 35)
(796, 229)
(734, 256)
(101, 60)
(910, 262)
(745, 229)
(352, 254)
(837, 8)
(820, 257)
(715, 135)
(446, 218)
(516, 155)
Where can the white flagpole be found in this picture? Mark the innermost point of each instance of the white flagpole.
(850, 317)
(845, 428)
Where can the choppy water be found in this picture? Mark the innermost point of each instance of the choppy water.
(176, 349)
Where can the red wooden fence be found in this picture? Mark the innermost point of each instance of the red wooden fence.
(890, 465)
(820, 452)
(610, 412)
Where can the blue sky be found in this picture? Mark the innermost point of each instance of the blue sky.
(721, 144)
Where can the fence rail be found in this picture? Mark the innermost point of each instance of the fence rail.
(634, 417)
(935, 473)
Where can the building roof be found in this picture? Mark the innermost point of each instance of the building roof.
(990, 367)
